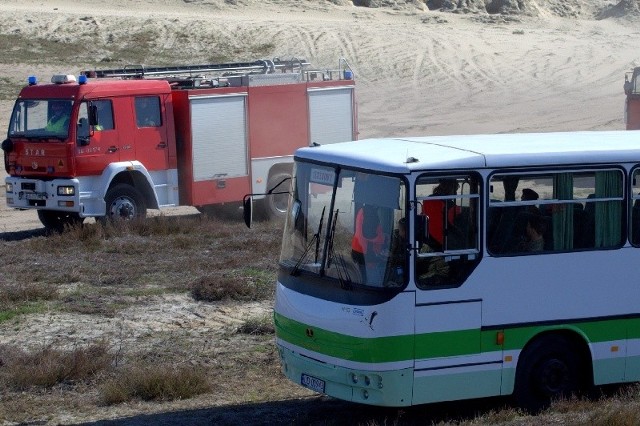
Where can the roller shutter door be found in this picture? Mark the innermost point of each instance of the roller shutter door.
(219, 137)
(331, 115)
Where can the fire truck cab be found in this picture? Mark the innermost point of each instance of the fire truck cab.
(113, 143)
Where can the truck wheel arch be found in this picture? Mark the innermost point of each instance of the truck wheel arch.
(274, 206)
(138, 178)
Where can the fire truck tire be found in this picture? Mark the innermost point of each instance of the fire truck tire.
(274, 206)
(124, 202)
(58, 221)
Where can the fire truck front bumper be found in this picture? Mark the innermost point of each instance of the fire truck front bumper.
(57, 194)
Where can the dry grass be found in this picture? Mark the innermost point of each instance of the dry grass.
(154, 383)
(100, 271)
(49, 367)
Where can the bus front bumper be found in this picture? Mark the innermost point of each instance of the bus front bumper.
(381, 388)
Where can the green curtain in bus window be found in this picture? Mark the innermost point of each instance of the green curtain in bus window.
(608, 214)
(563, 213)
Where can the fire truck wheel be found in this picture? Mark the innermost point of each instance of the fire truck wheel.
(58, 221)
(274, 206)
(124, 202)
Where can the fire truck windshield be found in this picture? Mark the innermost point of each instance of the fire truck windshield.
(41, 119)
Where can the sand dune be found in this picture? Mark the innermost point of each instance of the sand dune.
(419, 71)
(552, 66)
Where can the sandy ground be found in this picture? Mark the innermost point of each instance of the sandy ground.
(418, 72)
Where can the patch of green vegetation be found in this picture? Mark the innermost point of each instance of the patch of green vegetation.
(12, 312)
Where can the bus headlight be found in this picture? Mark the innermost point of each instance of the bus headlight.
(9, 187)
(66, 190)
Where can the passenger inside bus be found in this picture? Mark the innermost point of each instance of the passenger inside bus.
(529, 194)
(533, 238)
(437, 210)
(368, 241)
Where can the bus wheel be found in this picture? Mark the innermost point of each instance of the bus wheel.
(124, 202)
(549, 369)
(58, 221)
(274, 206)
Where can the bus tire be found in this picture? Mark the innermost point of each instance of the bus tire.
(124, 202)
(549, 369)
(57, 220)
(274, 206)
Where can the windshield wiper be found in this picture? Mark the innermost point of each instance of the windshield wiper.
(341, 266)
(316, 240)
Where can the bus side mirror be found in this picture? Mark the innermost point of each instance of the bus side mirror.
(247, 212)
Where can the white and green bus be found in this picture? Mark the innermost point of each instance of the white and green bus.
(418, 270)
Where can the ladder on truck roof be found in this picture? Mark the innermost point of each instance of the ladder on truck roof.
(255, 67)
(232, 73)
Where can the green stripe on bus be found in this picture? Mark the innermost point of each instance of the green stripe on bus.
(594, 331)
(370, 350)
(440, 344)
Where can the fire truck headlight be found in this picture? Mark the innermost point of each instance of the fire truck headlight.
(66, 190)
(9, 187)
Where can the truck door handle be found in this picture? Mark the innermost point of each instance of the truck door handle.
(112, 149)
(162, 145)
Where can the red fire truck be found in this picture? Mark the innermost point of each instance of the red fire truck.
(632, 103)
(113, 143)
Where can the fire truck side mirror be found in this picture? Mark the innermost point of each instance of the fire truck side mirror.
(247, 212)
(7, 146)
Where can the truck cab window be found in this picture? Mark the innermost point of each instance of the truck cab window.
(104, 112)
(148, 111)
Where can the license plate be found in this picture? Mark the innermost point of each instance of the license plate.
(35, 196)
(312, 383)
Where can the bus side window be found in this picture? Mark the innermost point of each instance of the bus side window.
(635, 208)
(572, 210)
(449, 247)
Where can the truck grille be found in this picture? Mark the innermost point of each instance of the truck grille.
(28, 186)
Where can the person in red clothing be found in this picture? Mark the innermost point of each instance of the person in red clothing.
(368, 239)
(368, 236)
(437, 210)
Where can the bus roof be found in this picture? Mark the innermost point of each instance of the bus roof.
(403, 155)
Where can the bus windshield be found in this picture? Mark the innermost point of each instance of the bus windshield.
(40, 119)
(347, 226)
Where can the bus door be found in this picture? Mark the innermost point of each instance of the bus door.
(450, 352)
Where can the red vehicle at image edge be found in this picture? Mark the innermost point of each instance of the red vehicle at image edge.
(632, 102)
(113, 143)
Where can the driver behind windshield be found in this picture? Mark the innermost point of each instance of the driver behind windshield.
(59, 117)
